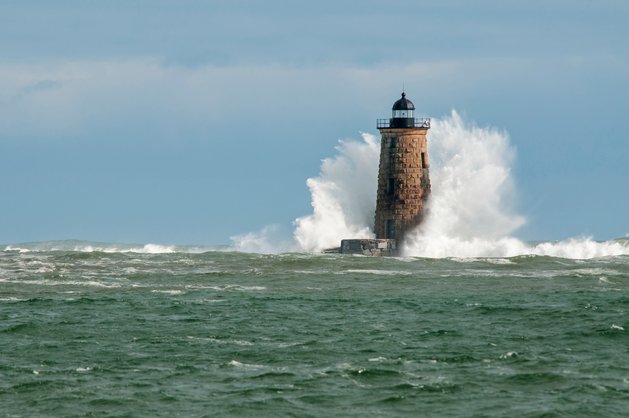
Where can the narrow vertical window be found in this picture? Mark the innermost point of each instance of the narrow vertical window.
(423, 160)
(391, 186)
(390, 229)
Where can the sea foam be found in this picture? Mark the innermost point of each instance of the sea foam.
(89, 247)
(471, 212)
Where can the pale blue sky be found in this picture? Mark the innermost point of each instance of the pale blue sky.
(192, 121)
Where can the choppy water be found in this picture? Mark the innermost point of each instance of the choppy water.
(216, 333)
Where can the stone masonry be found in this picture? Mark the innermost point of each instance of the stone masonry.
(403, 181)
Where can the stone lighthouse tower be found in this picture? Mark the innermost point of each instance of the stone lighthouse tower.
(403, 182)
(403, 175)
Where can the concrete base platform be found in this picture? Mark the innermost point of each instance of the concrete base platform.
(373, 247)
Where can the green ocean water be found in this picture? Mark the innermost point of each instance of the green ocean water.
(217, 333)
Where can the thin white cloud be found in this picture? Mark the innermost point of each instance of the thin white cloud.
(58, 99)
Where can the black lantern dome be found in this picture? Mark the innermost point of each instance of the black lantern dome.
(403, 104)
(403, 113)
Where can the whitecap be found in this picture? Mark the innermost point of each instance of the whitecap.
(169, 291)
(87, 246)
(287, 345)
(146, 249)
(12, 299)
(238, 364)
(228, 287)
(242, 342)
(19, 249)
(92, 283)
(498, 261)
(380, 272)
(244, 288)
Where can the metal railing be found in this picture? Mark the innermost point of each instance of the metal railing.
(419, 123)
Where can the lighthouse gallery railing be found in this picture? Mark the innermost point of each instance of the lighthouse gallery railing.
(419, 123)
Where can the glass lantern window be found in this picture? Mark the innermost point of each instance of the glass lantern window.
(403, 113)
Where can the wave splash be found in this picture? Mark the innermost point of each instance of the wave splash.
(471, 212)
(343, 196)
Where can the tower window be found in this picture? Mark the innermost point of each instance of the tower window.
(423, 160)
(393, 142)
(391, 186)
(390, 229)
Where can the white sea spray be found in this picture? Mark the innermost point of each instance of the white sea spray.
(343, 196)
(472, 211)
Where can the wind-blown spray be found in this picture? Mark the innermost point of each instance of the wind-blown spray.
(343, 196)
(471, 211)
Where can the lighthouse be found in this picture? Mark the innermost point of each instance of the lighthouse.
(403, 174)
(403, 181)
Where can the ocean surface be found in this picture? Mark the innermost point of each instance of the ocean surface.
(105, 330)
